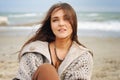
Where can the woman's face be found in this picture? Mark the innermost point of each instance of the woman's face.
(60, 24)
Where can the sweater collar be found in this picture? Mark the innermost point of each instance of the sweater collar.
(42, 48)
(75, 51)
(39, 47)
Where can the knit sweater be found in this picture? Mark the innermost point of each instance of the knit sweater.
(77, 64)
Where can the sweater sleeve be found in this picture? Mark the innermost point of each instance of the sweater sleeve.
(80, 69)
(28, 64)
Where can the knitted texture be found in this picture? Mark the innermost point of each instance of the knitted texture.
(80, 69)
(76, 66)
(28, 64)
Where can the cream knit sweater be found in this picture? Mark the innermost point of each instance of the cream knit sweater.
(76, 66)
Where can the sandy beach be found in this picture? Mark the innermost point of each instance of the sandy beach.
(98, 28)
(106, 56)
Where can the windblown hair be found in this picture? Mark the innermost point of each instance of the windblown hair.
(44, 33)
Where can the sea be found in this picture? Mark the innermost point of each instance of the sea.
(99, 24)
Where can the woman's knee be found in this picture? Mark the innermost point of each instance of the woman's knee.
(46, 72)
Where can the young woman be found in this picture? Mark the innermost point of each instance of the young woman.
(54, 52)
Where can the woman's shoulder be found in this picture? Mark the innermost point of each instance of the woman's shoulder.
(37, 43)
(80, 48)
(35, 46)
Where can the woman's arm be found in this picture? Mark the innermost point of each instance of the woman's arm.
(80, 69)
(28, 64)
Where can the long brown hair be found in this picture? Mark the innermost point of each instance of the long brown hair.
(44, 33)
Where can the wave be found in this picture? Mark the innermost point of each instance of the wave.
(98, 16)
(104, 26)
(84, 29)
(93, 15)
(24, 15)
(86, 21)
(3, 20)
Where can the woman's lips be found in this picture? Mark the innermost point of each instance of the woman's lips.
(62, 30)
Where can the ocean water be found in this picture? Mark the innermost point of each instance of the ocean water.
(89, 23)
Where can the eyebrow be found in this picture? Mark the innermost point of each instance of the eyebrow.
(57, 17)
(54, 17)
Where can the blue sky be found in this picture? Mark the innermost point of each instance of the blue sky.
(43, 5)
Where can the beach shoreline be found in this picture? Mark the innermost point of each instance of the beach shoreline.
(105, 50)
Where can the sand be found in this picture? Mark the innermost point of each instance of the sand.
(106, 56)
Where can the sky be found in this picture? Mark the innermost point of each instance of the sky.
(44, 5)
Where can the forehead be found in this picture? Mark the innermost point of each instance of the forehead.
(58, 12)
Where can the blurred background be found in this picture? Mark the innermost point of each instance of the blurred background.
(99, 15)
(98, 29)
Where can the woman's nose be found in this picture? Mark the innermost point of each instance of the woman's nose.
(61, 23)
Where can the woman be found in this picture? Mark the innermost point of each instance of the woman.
(56, 49)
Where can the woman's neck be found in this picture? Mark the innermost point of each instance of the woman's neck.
(63, 43)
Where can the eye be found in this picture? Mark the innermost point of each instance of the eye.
(66, 18)
(54, 20)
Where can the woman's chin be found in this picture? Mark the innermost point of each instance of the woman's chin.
(62, 37)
